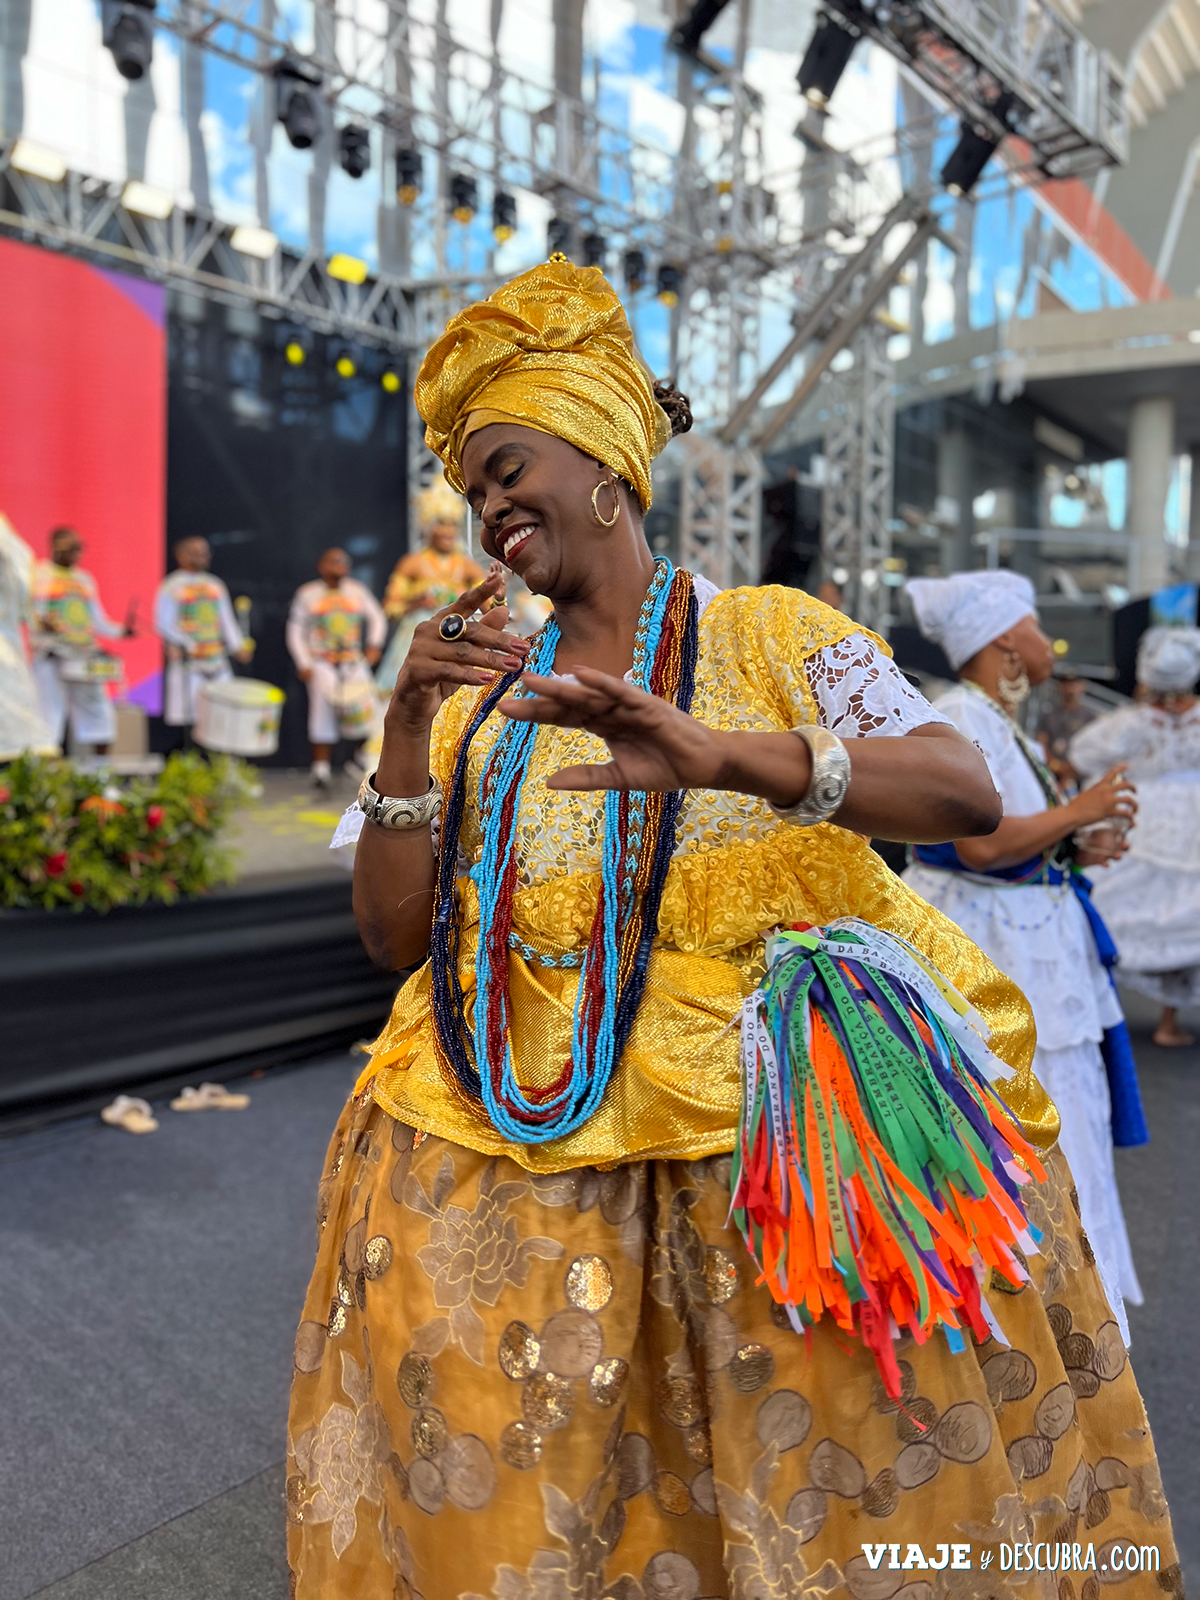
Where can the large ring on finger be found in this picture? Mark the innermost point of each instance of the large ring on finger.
(452, 626)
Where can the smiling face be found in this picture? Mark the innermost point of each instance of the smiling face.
(534, 495)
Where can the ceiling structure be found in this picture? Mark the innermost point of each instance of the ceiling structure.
(1154, 197)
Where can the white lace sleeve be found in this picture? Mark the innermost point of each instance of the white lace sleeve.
(350, 825)
(861, 692)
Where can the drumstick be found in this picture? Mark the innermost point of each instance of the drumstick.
(242, 605)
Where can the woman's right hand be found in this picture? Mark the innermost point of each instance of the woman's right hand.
(1113, 796)
(435, 667)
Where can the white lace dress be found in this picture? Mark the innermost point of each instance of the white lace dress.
(1150, 898)
(1039, 936)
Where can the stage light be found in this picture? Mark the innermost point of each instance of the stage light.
(464, 196)
(250, 240)
(354, 150)
(635, 269)
(297, 103)
(345, 367)
(967, 160)
(691, 30)
(127, 29)
(348, 269)
(827, 57)
(595, 248)
(558, 237)
(294, 353)
(409, 173)
(670, 284)
(504, 216)
(390, 381)
(37, 161)
(146, 200)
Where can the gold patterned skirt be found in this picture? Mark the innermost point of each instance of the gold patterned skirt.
(522, 1387)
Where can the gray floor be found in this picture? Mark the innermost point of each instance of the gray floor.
(148, 1293)
(1160, 1189)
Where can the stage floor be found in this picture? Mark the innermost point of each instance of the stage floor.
(287, 830)
(149, 1291)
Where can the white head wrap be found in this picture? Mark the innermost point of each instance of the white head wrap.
(969, 610)
(1169, 659)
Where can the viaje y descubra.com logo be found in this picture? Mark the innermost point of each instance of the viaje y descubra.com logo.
(1117, 1555)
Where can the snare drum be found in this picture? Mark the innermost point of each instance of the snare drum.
(98, 667)
(239, 717)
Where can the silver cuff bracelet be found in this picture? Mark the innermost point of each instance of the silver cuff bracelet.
(830, 778)
(389, 812)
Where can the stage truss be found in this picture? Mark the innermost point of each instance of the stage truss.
(705, 207)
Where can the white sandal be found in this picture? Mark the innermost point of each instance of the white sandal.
(133, 1115)
(209, 1097)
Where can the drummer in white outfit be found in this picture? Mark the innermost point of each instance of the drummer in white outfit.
(335, 632)
(68, 618)
(1150, 897)
(194, 618)
(1032, 924)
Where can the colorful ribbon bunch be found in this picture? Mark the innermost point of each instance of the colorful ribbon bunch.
(639, 841)
(877, 1173)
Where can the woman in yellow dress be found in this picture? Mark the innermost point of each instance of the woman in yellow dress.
(538, 1360)
(425, 580)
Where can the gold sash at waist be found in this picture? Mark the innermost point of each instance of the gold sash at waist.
(677, 1090)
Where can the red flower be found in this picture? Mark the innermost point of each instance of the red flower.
(154, 816)
(75, 887)
(5, 794)
(56, 865)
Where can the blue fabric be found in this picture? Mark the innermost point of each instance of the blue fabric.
(1128, 1119)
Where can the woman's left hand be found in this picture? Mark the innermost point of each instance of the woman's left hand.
(654, 746)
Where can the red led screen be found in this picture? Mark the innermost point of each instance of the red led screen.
(83, 427)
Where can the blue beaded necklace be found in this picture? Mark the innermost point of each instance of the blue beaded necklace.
(638, 842)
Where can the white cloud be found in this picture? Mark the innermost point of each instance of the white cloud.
(654, 116)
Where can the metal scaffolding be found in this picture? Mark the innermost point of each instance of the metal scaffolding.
(707, 208)
(720, 511)
(859, 454)
(186, 251)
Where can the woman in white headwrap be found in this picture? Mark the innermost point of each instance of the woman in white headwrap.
(1150, 897)
(1015, 892)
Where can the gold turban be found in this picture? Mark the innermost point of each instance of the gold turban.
(551, 350)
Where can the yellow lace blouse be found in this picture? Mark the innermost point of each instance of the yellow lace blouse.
(738, 872)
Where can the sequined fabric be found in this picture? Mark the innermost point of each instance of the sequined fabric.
(552, 349)
(738, 872)
(570, 1387)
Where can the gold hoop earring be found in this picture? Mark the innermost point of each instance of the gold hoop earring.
(607, 483)
(1014, 689)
